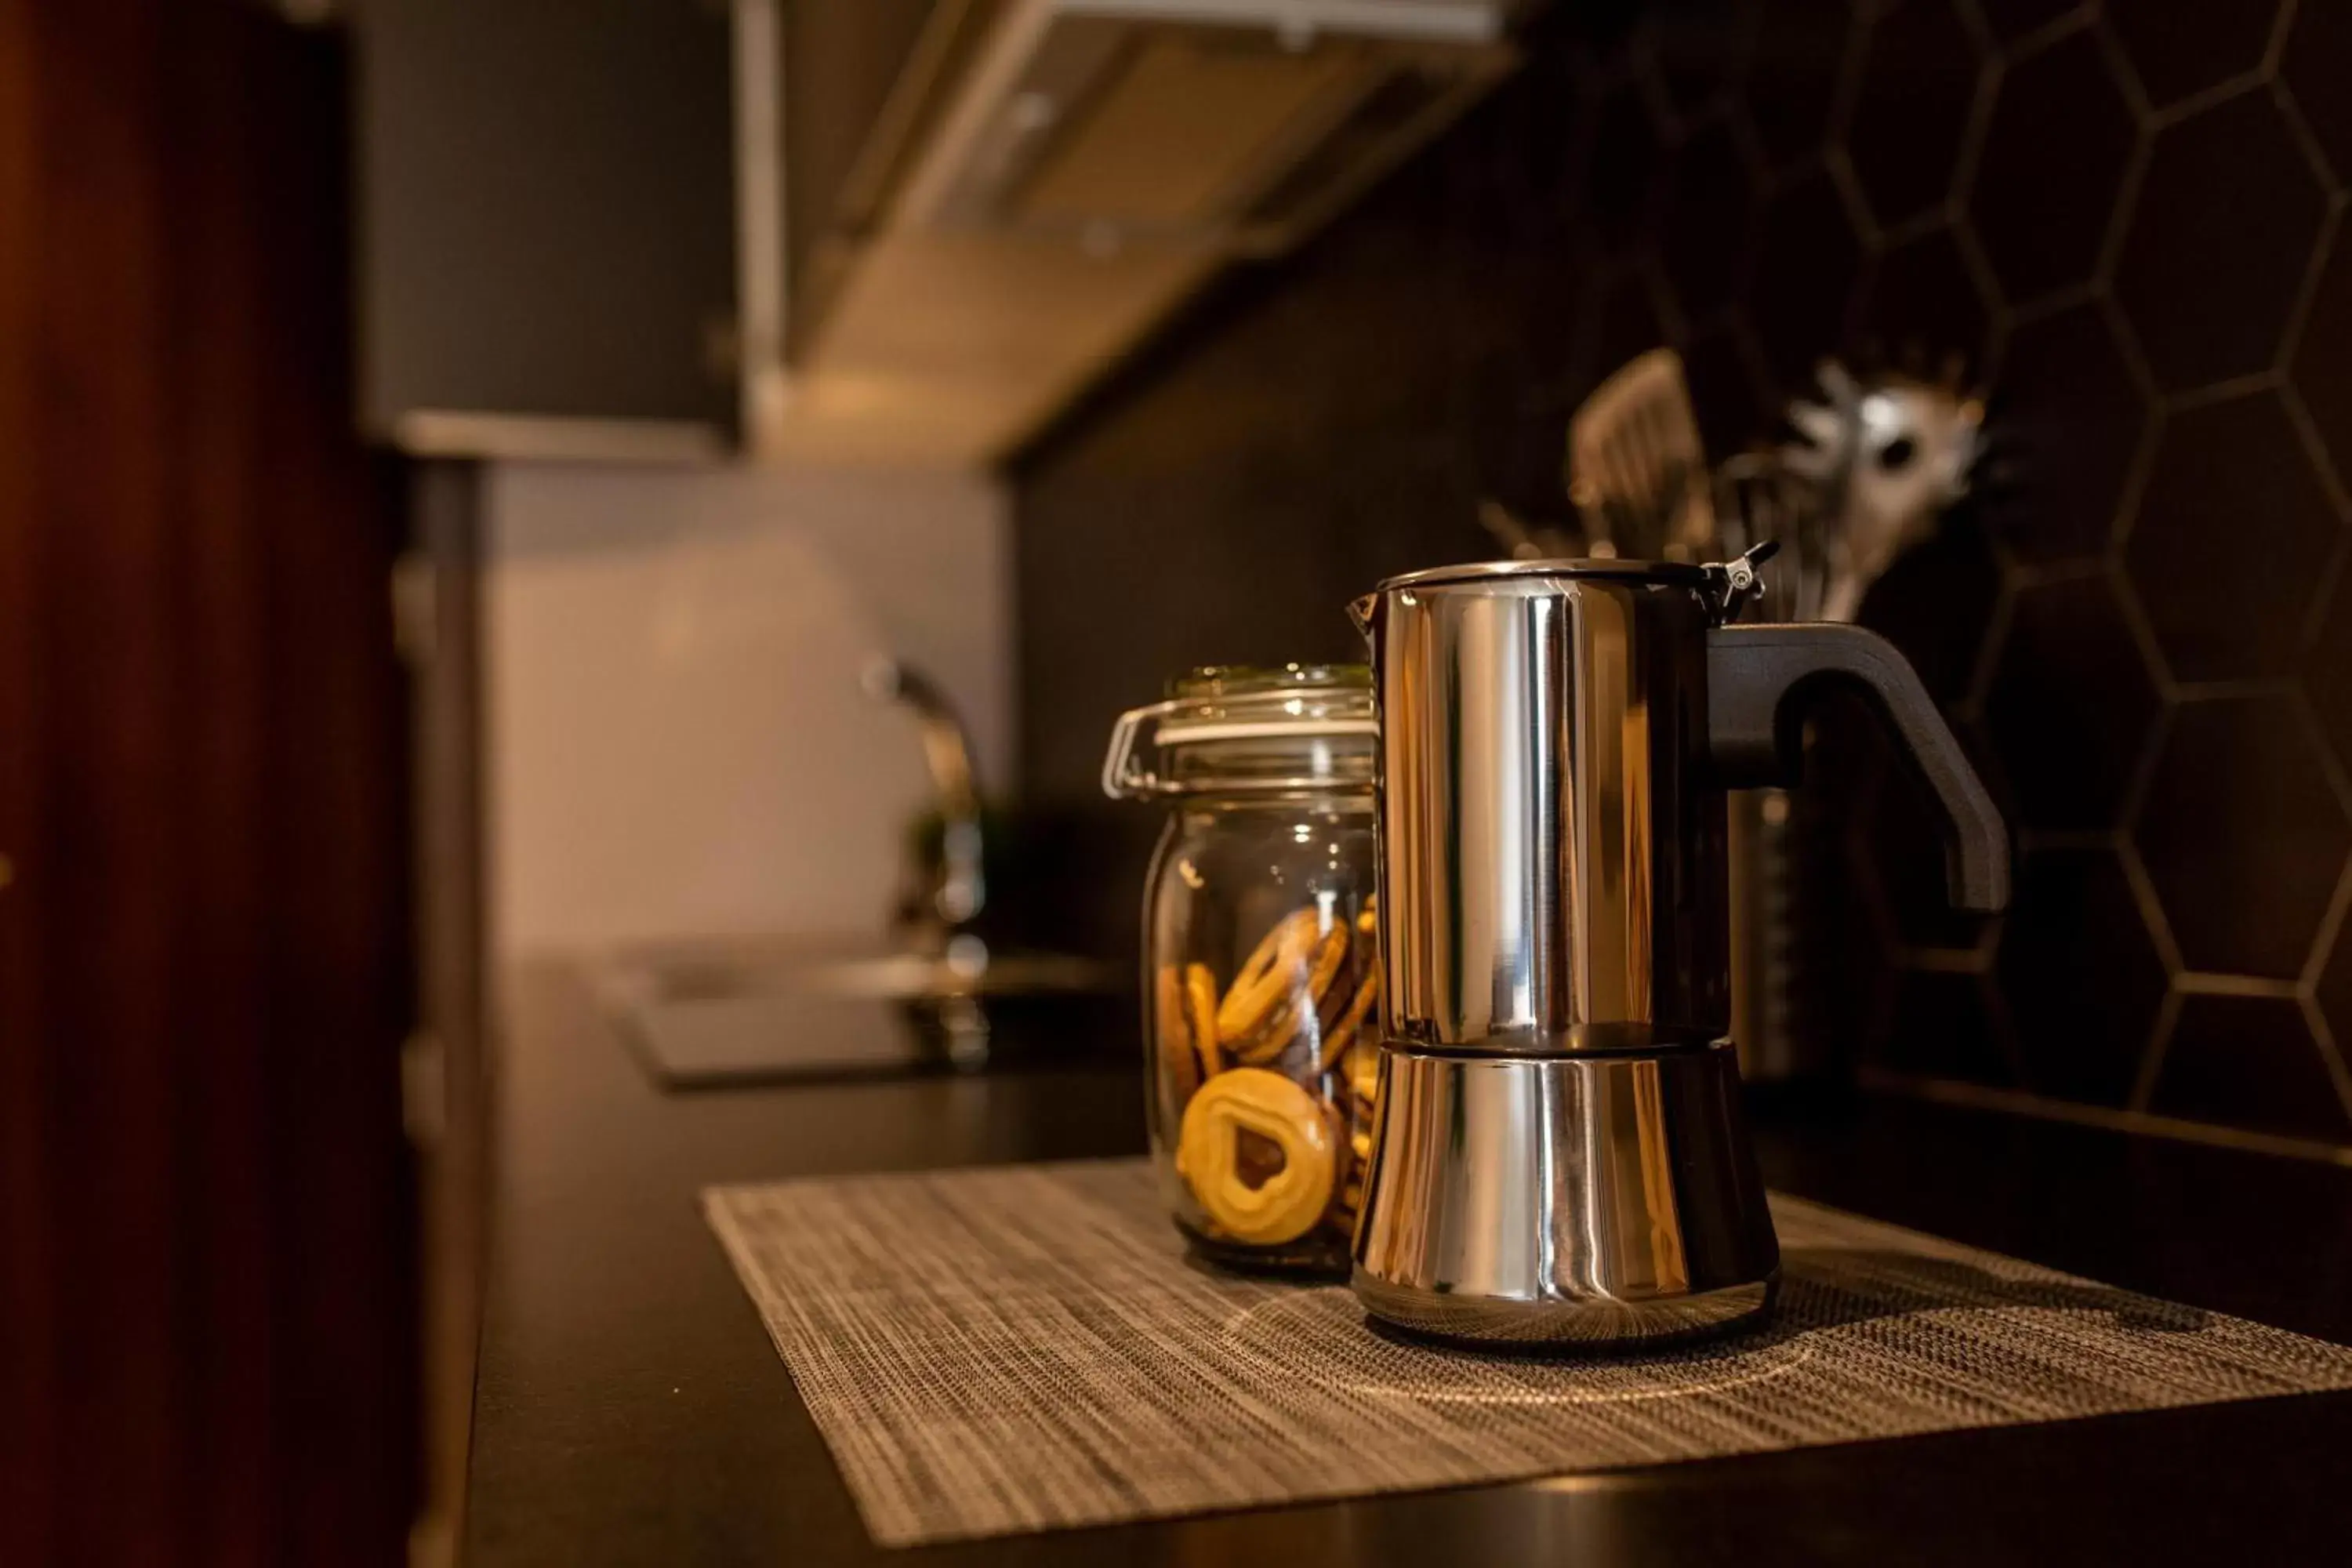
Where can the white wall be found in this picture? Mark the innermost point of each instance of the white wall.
(677, 744)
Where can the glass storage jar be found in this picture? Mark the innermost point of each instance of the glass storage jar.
(1260, 965)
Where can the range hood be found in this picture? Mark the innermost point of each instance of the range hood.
(1046, 181)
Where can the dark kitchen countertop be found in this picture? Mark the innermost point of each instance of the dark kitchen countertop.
(630, 1409)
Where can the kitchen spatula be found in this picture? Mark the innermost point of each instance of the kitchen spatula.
(1636, 469)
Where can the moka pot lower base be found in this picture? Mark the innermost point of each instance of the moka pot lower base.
(1569, 1201)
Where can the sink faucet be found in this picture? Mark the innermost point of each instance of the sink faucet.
(944, 891)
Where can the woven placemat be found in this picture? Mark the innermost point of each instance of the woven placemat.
(1027, 1347)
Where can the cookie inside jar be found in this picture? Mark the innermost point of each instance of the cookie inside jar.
(1261, 965)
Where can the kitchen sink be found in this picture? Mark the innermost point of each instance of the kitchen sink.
(888, 977)
(709, 1015)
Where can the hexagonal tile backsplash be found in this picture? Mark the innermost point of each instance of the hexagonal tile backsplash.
(2061, 137)
(2230, 208)
(2124, 219)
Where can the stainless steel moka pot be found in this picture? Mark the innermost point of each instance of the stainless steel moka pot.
(1557, 1150)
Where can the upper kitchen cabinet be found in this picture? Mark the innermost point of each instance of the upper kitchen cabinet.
(896, 230)
(548, 229)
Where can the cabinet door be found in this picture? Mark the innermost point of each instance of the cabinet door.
(206, 1280)
(546, 261)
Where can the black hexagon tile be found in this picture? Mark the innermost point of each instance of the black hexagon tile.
(1723, 394)
(2053, 160)
(1942, 1026)
(1896, 833)
(1696, 48)
(1840, 968)
(2336, 988)
(2070, 706)
(1502, 439)
(1620, 321)
(1805, 260)
(2229, 211)
(2081, 975)
(2010, 19)
(1517, 314)
(2067, 421)
(2322, 366)
(2242, 835)
(1618, 170)
(2232, 534)
(1937, 600)
(1918, 83)
(2328, 670)
(2249, 1061)
(1792, 76)
(2183, 47)
(1918, 304)
(1897, 840)
(1705, 220)
(2315, 65)
(1542, 124)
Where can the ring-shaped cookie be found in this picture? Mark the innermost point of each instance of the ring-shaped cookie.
(1343, 1033)
(1329, 954)
(1180, 1059)
(1252, 1100)
(1311, 999)
(1201, 1011)
(1266, 978)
